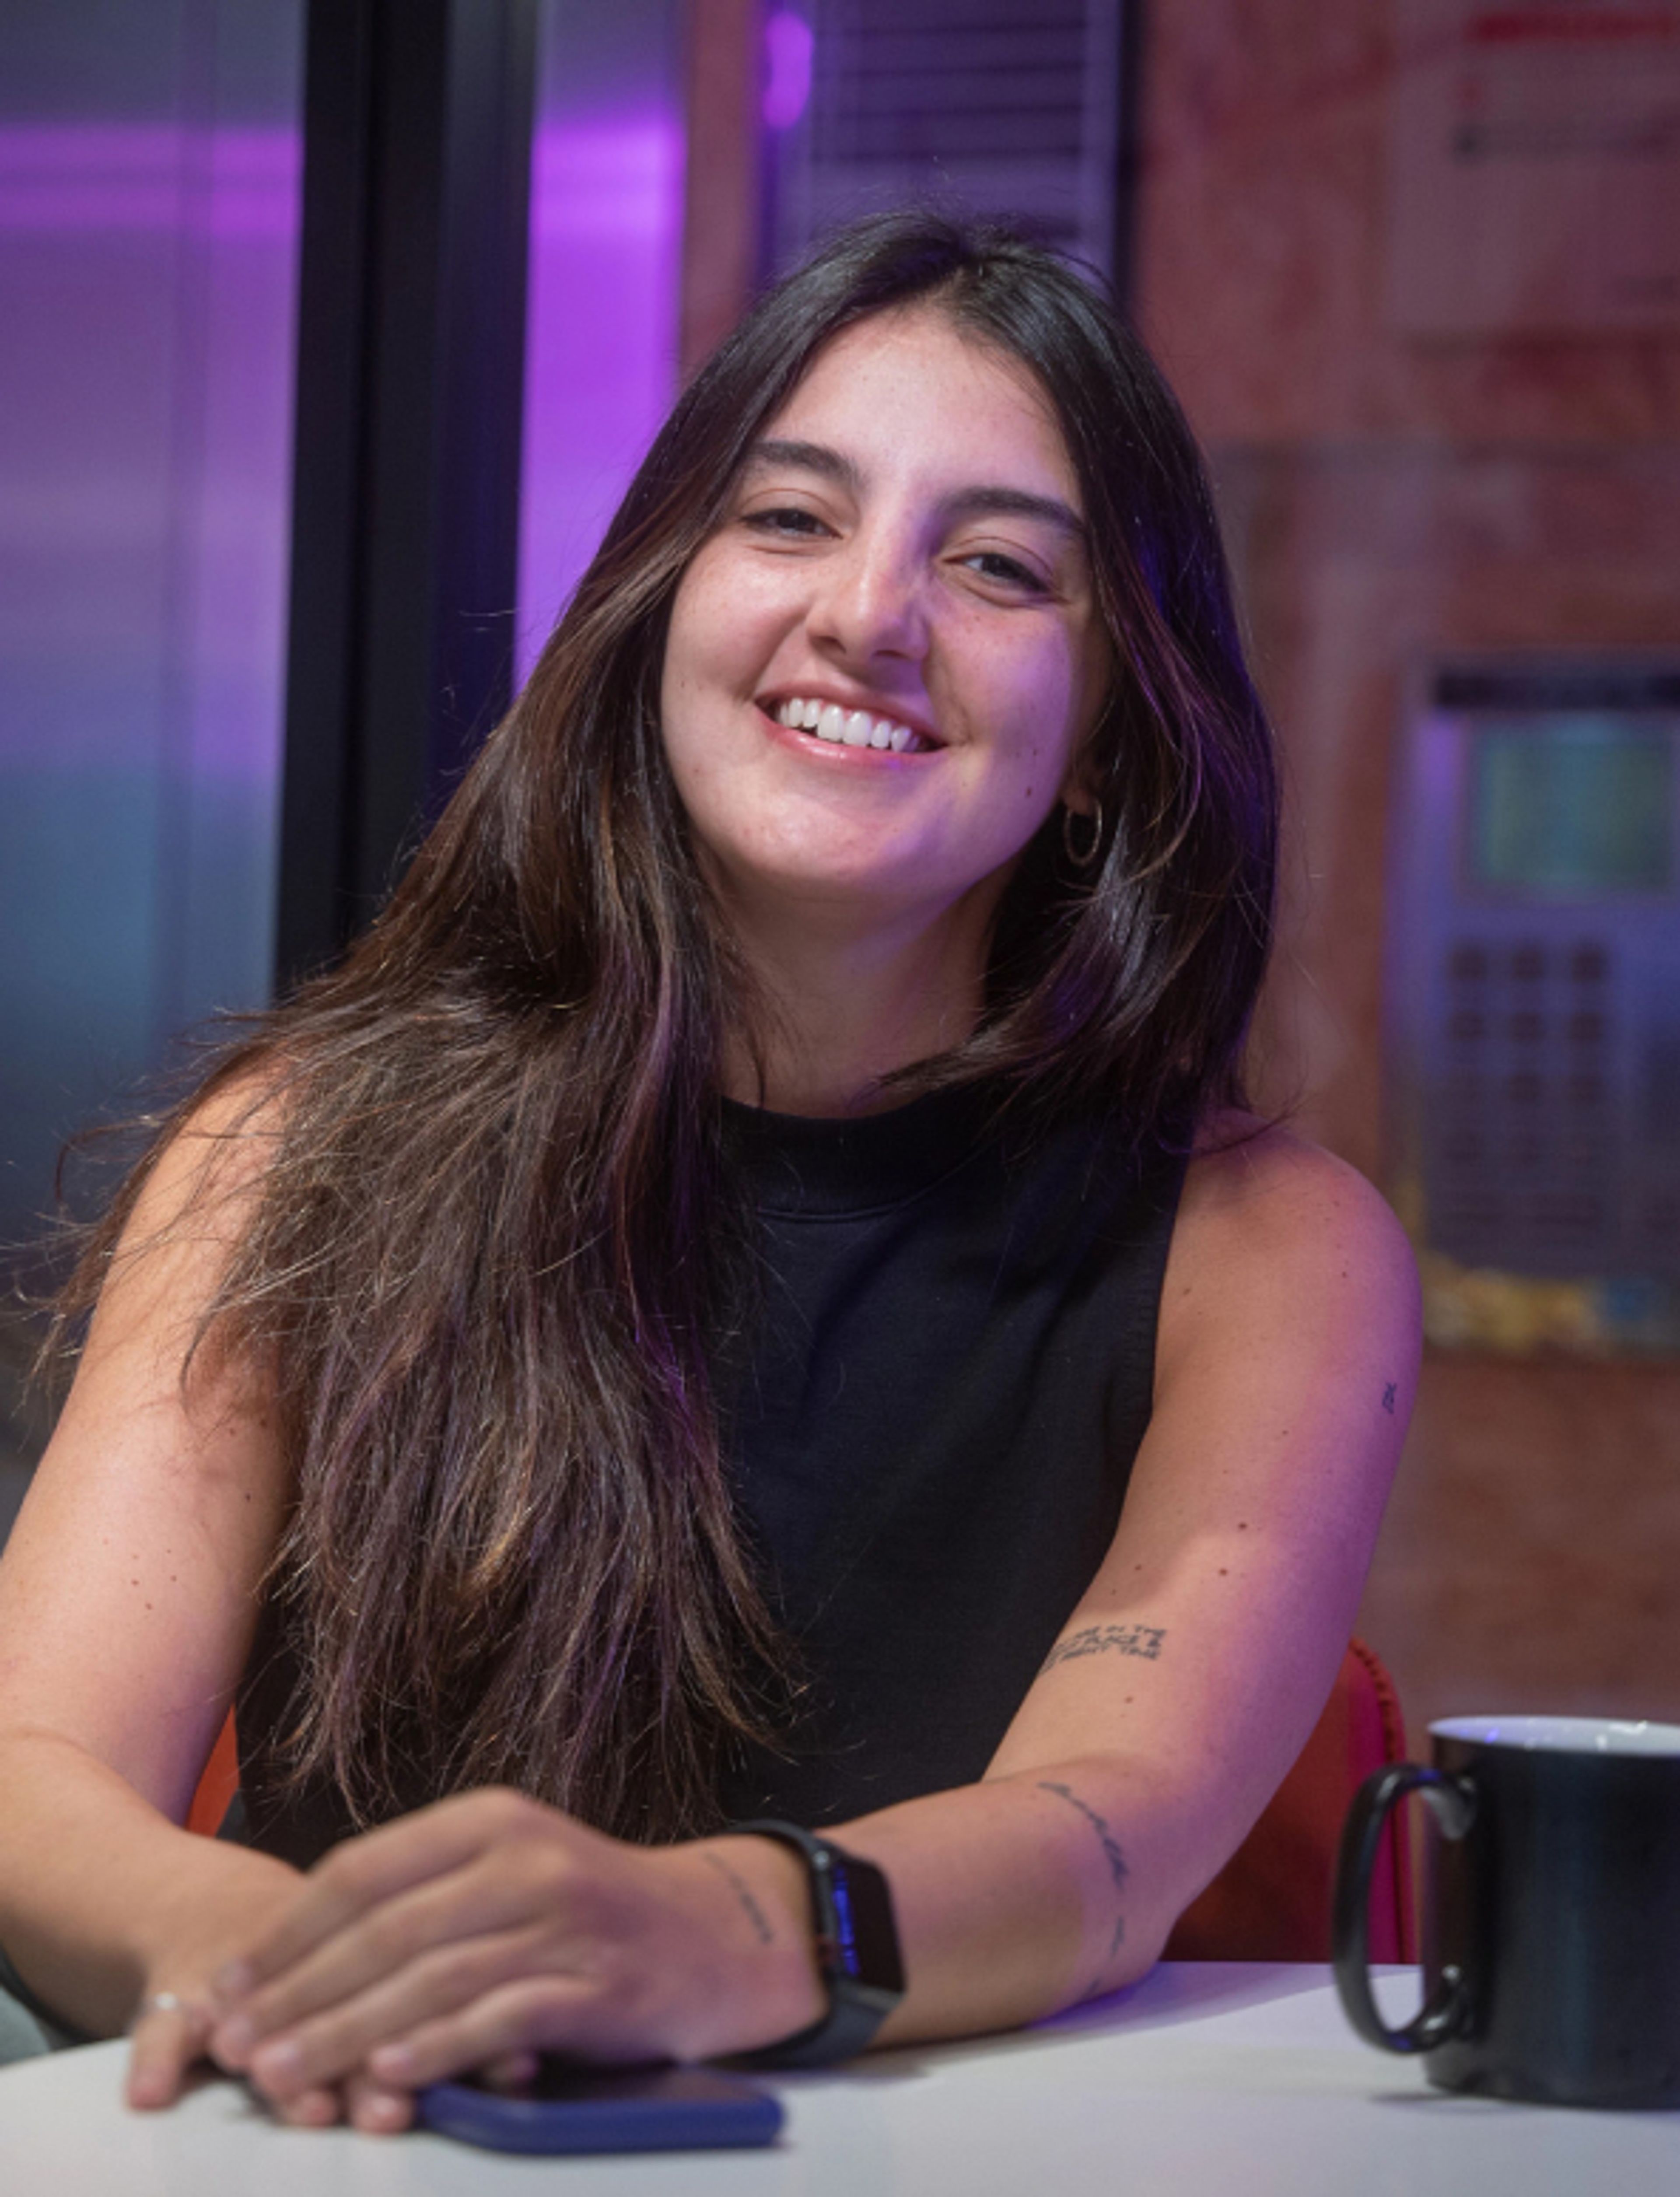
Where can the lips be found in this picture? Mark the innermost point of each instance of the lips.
(852, 728)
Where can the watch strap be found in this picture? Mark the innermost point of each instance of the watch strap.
(856, 1944)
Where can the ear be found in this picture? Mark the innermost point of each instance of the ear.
(1077, 792)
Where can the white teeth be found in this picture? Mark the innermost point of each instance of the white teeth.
(856, 728)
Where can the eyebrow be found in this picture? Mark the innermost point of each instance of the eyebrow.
(982, 500)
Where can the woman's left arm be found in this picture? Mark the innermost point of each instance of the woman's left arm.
(1177, 1697)
(1188, 1679)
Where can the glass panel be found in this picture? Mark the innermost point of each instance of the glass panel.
(606, 242)
(148, 197)
(149, 169)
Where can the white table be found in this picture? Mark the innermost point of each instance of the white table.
(1243, 2081)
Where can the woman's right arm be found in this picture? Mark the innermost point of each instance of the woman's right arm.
(128, 1599)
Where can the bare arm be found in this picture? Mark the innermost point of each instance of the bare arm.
(1182, 1688)
(128, 1594)
(1193, 1670)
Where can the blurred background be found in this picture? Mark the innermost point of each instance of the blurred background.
(330, 333)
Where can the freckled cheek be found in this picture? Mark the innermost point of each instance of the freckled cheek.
(1045, 739)
(706, 617)
(712, 663)
(1046, 759)
(740, 613)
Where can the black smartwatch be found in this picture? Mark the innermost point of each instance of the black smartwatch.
(856, 1947)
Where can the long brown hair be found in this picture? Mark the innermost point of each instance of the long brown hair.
(496, 1247)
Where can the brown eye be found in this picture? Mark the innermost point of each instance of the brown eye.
(784, 518)
(993, 564)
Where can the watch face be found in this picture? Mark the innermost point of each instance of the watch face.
(866, 1935)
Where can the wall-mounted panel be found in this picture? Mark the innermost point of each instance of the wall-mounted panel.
(1002, 110)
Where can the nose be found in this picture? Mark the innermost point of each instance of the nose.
(869, 601)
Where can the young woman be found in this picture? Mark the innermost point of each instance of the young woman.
(749, 1295)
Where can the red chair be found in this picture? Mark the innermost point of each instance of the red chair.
(1272, 1900)
(219, 1784)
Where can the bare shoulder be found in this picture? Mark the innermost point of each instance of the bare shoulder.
(192, 1206)
(1274, 1232)
(128, 1589)
(219, 1152)
(1251, 1179)
(197, 1192)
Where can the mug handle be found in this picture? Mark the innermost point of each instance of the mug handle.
(1447, 2013)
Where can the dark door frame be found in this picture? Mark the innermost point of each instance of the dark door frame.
(417, 132)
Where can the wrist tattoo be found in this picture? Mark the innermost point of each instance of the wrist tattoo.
(743, 1892)
(1141, 1640)
(1111, 1852)
(1391, 1388)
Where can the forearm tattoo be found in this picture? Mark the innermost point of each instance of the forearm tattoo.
(743, 1892)
(1142, 1640)
(1111, 1852)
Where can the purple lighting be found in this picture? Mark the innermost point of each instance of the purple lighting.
(148, 269)
(788, 40)
(232, 184)
(601, 336)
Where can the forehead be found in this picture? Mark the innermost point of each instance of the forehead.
(909, 390)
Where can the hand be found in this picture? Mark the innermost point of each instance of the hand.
(489, 1928)
(176, 2011)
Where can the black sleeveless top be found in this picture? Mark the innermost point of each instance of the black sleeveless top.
(931, 1435)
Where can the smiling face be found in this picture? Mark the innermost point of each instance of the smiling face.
(880, 668)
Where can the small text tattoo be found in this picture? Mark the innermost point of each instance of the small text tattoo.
(743, 1892)
(1110, 1846)
(1142, 1640)
(1389, 1398)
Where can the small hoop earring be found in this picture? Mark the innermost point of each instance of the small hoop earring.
(1082, 862)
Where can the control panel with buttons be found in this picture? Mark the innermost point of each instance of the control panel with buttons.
(1533, 1001)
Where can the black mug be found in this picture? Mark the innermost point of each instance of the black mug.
(1551, 1920)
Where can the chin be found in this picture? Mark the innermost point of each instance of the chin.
(807, 877)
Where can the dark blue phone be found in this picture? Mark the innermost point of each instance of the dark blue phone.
(569, 2107)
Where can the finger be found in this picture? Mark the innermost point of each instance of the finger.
(477, 1901)
(334, 2043)
(318, 2108)
(533, 2014)
(363, 1871)
(512, 2071)
(164, 2042)
(374, 2109)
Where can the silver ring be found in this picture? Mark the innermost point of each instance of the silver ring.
(167, 2001)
